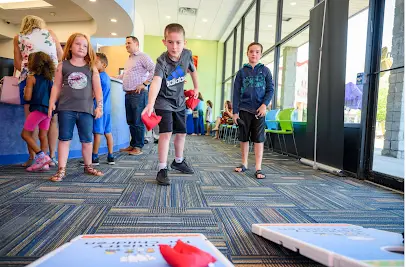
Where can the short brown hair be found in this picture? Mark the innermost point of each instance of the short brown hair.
(103, 58)
(255, 43)
(135, 39)
(174, 27)
(41, 63)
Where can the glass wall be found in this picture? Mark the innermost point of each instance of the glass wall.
(295, 13)
(267, 23)
(237, 50)
(229, 56)
(249, 30)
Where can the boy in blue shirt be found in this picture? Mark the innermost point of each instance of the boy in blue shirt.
(102, 126)
(253, 90)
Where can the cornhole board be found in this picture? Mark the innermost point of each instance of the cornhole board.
(337, 245)
(123, 250)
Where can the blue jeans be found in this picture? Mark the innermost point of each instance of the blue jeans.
(67, 121)
(134, 105)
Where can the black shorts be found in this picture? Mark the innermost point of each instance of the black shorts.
(172, 122)
(253, 128)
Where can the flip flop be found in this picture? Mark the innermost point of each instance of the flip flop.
(259, 172)
(242, 167)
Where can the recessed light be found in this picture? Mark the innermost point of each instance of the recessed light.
(92, 0)
(52, 14)
(269, 25)
(199, 36)
(168, 17)
(113, 33)
(293, 4)
(113, 20)
(204, 20)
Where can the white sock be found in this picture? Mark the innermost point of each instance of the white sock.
(178, 160)
(162, 166)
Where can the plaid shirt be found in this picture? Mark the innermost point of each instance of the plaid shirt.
(138, 69)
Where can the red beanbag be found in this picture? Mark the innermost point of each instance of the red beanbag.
(192, 103)
(184, 255)
(150, 122)
(189, 93)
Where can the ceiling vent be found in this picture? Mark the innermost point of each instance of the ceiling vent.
(187, 11)
(286, 19)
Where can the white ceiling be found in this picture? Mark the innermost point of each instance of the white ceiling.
(78, 11)
(218, 14)
(65, 11)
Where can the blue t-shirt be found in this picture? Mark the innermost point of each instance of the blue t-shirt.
(105, 84)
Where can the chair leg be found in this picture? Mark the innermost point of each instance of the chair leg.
(287, 153)
(294, 142)
(270, 142)
(280, 145)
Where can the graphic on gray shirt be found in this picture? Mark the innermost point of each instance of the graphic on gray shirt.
(77, 90)
(171, 96)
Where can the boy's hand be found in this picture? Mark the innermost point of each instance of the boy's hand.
(148, 109)
(196, 90)
(51, 108)
(98, 112)
(235, 118)
(261, 111)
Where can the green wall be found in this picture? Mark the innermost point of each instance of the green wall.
(207, 66)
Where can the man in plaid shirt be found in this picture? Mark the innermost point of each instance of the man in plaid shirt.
(138, 73)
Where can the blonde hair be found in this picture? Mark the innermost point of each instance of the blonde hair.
(67, 53)
(31, 22)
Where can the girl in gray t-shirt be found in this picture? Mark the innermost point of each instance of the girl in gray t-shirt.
(76, 81)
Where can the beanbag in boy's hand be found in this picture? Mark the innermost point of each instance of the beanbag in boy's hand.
(192, 103)
(189, 93)
(184, 255)
(150, 122)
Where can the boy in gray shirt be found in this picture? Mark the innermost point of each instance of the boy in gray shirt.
(167, 97)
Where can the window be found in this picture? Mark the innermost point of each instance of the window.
(237, 50)
(249, 30)
(229, 56)
(293, 75)
(267, 23)
(294, 14)
(355, 61)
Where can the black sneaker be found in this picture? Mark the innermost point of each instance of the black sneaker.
(182, 167)
(110, 161)
(95, 162)
(162, 177)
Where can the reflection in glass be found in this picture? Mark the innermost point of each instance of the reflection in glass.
(267, 23)
(229, 56)
(237, 50)
(249, 30)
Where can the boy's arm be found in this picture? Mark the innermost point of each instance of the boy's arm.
(98, 93)
(269, 89)
(195, 83)
(28, 88)
(236, 96)
(56, 89)
(153, 93)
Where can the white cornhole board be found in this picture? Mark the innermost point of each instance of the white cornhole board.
(123, 250)
(337, 245)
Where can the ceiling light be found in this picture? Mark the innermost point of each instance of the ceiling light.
(204, 20)
(113, 20)
(52, 14)
(168, 17)
(269, 25)
(199, 36)
(113, 33)
(293, 4)
(92, 0)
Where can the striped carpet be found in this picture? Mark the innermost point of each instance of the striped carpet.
(37, 216)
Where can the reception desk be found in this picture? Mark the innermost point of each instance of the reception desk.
(13, 149)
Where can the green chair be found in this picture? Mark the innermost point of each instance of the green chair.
(286, 127)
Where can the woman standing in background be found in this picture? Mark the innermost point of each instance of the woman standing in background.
(34, 37)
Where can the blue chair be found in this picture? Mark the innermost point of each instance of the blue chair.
(271, 123)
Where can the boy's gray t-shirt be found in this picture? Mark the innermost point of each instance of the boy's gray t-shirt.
(171, 96)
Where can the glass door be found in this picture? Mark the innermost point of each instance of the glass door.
(388, 149)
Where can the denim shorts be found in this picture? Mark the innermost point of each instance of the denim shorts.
(84, 123)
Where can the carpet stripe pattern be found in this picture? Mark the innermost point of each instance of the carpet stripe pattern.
(37, 216)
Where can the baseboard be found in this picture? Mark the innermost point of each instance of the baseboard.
(20, 158)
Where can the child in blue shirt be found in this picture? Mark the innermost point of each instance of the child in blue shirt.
(253, 90)
(102, 126)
